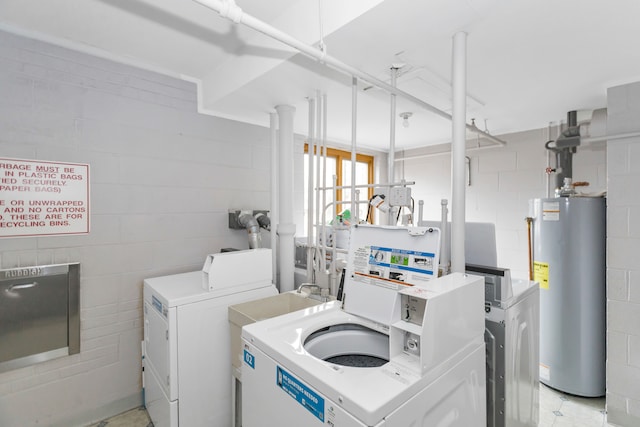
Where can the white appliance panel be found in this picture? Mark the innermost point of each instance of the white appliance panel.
(161, 347)
(522, 364)
(265, 402)
(204, 359)
(441, 402)
(160, 409)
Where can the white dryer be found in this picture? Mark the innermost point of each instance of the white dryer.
(401, 349)
(186, 337)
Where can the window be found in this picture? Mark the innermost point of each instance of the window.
(339, 164)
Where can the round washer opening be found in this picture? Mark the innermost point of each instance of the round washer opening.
(350, 345)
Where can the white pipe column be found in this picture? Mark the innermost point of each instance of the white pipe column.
(311, 152)
(459, 117)
(273, 126)
(354, 128)
(392, 142)
(321, 199)
(444, 219)
(286, 227)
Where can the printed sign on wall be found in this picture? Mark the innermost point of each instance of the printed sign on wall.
(41, 198)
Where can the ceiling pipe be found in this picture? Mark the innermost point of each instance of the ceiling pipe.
(611, 137)
(228, 9)
(442, 153)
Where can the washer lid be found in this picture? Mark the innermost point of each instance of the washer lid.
(384, 259)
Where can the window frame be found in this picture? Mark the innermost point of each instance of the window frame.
(341, 155)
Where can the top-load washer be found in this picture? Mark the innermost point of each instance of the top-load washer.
(402, 347)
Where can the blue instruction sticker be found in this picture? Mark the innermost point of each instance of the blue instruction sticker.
(301, 393)
(249, 359)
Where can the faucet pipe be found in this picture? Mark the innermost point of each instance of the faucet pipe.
(253, 229)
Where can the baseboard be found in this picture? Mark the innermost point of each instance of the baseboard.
(109, 410)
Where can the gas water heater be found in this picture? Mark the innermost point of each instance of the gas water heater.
(569, 262)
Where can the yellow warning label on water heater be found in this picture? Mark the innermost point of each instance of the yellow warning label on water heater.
(541, 274)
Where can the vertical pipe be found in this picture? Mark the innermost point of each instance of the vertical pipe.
(321, 255)
(333, 284)
(286, 227)
(323, 125)
(311, 144)
(354, 122)
(420, 212)
(323, 128)
(548, 169)
(273, 126)
(444, 236)
(459, 80)
(392, 141)
(319, 231)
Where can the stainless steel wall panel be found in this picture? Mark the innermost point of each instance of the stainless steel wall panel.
(39, 314)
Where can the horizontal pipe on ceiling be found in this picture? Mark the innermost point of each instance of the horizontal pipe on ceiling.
(228, 9)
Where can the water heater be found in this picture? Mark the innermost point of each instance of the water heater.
(568, 238)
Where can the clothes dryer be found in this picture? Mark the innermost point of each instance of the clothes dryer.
(186, 337)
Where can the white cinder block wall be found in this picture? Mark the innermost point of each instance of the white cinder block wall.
(502, 182)
(623, 257)
(162, 179)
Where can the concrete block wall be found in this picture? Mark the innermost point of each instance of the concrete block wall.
(502, 181)
(623, 257)
(162, 179)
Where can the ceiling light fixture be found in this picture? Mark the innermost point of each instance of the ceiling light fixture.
(405, 118)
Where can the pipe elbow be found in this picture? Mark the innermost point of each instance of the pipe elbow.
(263, 220)
(231, 11)
(253, 229)
(249, 222)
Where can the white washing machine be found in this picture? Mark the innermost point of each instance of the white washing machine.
(186, 337)
(401, 349)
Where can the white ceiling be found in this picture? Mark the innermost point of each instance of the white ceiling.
(529, 61)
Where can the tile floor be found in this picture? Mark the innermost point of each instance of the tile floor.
(556, 410)
(137, 417)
